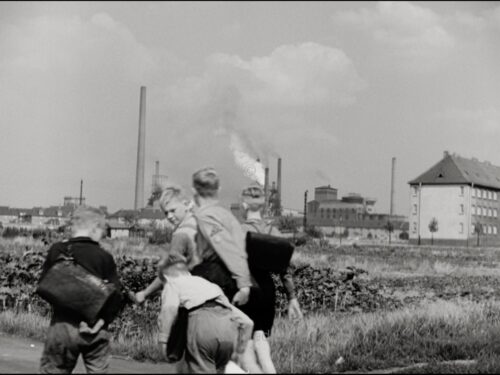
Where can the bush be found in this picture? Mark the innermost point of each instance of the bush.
(314, 232)
(404, 236)
(160, 236)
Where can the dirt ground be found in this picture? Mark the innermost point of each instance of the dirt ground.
(22, 356)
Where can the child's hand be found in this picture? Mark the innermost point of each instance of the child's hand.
(84, 328)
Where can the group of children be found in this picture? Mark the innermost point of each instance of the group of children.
(204, 277)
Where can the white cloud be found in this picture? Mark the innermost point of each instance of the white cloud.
(74, 44)
(484, 120)
(303, 75)
(411, 34)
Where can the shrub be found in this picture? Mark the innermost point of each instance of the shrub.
(160, 236)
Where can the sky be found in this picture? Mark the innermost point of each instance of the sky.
(336, 89)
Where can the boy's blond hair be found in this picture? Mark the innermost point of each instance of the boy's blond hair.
(172, 193)
(206, 182)
(87, 217)
(175, 263)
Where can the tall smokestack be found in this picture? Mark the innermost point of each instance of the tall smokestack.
(279, 184)
(266, 186)
(141, 149)
(157, 167)
(393, 171)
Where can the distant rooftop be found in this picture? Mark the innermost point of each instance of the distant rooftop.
(455, 169)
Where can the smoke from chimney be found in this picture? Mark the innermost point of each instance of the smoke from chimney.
(141, 150)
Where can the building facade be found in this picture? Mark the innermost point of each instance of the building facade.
(353, 214)
(462, 195)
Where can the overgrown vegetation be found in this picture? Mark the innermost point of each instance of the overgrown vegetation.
(376, 306)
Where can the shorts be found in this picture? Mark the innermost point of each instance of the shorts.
(261, 306)
(64, 344)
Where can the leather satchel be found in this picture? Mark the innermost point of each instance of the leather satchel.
(268, 253)
(69, 285)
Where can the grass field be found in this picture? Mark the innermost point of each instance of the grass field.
(451, 311)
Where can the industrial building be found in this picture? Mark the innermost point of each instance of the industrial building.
(463, 196)
(353, 213)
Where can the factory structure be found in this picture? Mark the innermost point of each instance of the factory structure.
(463, 196)
(352, 215)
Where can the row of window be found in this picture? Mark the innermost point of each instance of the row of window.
(484, 194)
(476, 210)
(487, 228)
(484, 211)
(476, 193)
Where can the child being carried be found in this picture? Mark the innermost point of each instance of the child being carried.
(217, 331)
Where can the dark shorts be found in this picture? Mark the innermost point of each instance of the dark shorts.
(261, 304)
(216, 272)
(64, 344)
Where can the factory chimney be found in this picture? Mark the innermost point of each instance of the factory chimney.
(266, 187)
(141, 149)
(278, 206)
(392, 185)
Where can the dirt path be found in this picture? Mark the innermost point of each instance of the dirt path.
(20, 355)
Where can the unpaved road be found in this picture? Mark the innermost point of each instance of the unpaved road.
(22, 356)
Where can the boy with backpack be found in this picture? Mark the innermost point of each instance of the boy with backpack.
(69, 335)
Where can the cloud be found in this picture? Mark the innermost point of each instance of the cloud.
(303, 75)
(267, 100)
(484, 120)
(409, 33)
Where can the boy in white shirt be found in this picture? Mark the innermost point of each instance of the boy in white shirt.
(217, 331)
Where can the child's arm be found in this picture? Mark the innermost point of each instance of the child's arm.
(84, 328)
(169, 308)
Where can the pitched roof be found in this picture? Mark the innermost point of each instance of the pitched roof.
(454, 169)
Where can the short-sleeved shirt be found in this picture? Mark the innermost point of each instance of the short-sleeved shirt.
(220, 234)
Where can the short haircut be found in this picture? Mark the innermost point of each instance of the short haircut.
(206, 182)
(174, 260)
(254, 197)
(171, 193)
(88, 217)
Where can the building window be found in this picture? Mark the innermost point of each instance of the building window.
(461, 227)
(414, 227)
(479, 211)
(321, 212)
(328, 213)
(473, 209)
(495, 212)
(484, 229)
(473, 192)
(494, 229)
(414, 209)
(461, 191)
(494, 195)
(415, 191)
(490, 212)
(461, 209)
(489, 229)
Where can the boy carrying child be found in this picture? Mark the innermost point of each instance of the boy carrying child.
(217, 331)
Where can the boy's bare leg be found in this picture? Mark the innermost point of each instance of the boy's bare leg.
(263, 351)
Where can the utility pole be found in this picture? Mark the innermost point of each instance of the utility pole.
(305, 211)
(81, 191)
